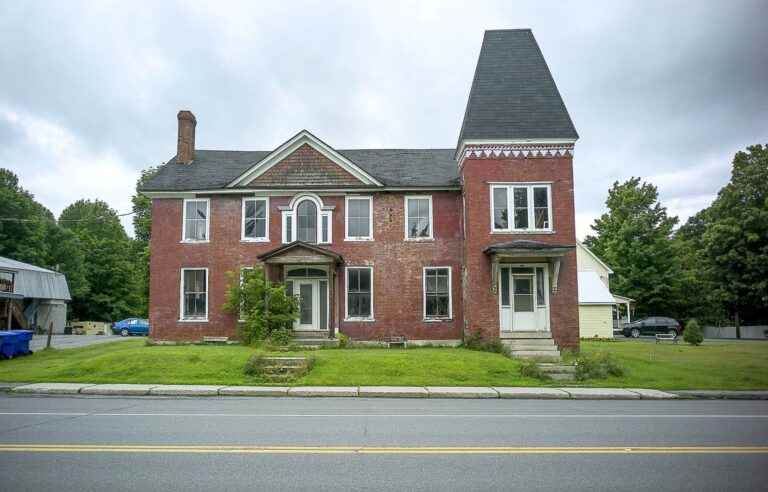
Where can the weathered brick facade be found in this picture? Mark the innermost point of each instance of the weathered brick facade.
(516, 133)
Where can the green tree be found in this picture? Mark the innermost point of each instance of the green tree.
(735, 238)
(110, 268)
(264, 306)
(25, 224)
(692, 333)
(142, 230)
(634, 238)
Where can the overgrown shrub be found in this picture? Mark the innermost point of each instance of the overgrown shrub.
(254, 365)
(281, 337)
(343, 340)
(692, 333)
(264, 306)
(530, 369)
(475, 341)
(598, 366)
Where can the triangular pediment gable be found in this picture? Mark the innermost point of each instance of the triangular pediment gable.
(299, 252)
(303, 161)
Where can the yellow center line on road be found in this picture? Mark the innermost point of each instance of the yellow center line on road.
(213, 449)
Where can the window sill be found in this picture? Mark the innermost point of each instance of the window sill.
(189, 241)
(523, 231)
(251, 240)
(358, 239)
(419, 240)
(359, 320)
(193, 320)
(436, 320)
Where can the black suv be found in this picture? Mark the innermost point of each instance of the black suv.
(651, 326)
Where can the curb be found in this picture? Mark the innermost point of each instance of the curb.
(435, 392)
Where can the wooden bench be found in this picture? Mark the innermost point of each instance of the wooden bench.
(660, 337)
(396, 342)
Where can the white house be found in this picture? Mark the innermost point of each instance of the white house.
(596, 303)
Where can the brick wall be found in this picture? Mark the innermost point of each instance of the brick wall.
(397, 265)
(480, 304)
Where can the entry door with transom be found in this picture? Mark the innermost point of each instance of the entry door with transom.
(310, 286)
(523, 298)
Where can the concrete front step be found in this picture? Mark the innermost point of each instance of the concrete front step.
(304, 334)
(559, 376)
(535, 348)
(507, 335)
(540, 342)
(316, 342)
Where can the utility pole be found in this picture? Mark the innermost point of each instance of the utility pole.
(50, 335)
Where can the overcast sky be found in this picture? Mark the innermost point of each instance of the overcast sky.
(89, 92)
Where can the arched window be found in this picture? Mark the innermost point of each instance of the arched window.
(307, 219)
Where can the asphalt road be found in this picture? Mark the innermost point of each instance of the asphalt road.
(99, 443)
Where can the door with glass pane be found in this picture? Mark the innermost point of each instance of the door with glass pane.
(523, 298)
(307, 292)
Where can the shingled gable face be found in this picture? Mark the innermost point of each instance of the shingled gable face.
(426, 244)
(305, 161)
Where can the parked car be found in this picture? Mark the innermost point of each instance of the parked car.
(131, 326)
(651, 326)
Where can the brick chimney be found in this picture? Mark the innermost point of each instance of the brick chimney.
(185, 150)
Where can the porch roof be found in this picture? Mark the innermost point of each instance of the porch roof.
(525, 247)
(300, 252)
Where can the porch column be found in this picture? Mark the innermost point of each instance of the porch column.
(333, 308)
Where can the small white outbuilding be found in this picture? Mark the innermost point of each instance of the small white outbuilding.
(596, 303)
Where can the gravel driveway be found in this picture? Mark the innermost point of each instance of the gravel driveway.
(72, 341)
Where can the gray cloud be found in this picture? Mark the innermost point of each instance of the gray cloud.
(667, 91)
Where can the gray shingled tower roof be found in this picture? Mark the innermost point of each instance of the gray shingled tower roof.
(513, 94)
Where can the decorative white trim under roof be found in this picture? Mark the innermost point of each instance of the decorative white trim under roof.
(480, 149)
(287, 148)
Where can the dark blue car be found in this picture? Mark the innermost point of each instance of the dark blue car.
(131, 326)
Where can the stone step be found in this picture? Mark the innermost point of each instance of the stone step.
(285, 361)
(551, 368)
(550, 356)
(562, 376)
(542, 342)
(525, 334)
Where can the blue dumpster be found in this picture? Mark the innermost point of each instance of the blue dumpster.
(8, 344)
(23, 338)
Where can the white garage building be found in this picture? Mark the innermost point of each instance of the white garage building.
(598, 308)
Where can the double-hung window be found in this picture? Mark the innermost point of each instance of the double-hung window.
(194, 294)
(255, 219)
(359, 218)
(359, 293)
(418, 218)
(521, 207)
(437, 293)
(196, 223)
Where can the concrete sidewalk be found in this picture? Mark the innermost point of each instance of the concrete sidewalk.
(337, 391)
(472, 392)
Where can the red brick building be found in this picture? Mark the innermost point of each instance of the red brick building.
(429, 244)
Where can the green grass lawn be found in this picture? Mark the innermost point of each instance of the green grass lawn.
(134, 362)
(714, 365)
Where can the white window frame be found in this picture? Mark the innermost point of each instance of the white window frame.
(349, 198)
(184, 221)
(291, 212)
(510, 187)
(431, 218)
(243, 237)
(346, 294)
(182, 319)
(424, 293)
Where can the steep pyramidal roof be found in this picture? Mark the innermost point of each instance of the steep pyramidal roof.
(513, 94)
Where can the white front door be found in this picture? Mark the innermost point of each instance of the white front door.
(309, 304)
(524, 297)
